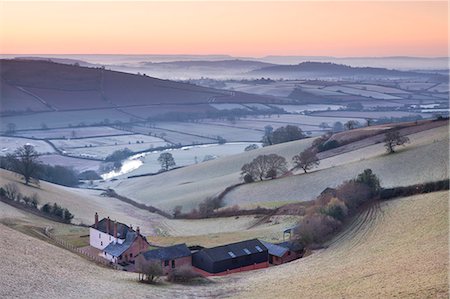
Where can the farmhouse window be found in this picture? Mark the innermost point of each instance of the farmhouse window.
(166, 263)
(289, 253)
(173, 263)
(101, 243)
(131, 254)
(99, 235)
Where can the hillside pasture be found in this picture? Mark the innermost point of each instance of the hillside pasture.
(366, 114)
(212, 131)
(77, 164)
(362, 93)
(16, 99)
(10, 144)
(416, 86)
(260, 124)
(308, 107)
(396, 249)
(61, 119)
(378, 88)
(226, 106)
(71, 132)
(172, 136)
(315, 119)
(411, 165)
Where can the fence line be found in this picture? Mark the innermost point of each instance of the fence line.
(72, 248)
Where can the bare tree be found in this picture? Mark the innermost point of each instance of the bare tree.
(24, 161)
(306, 160)
(166, 160)
(351, 124)
(393, 139)
(11, 191)
(148, 270)
(265, 166)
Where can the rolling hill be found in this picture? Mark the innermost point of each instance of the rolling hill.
(309, 70)
(397, 249)
(38, 85)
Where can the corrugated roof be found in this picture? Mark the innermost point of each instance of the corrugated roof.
(168, 253)
(116, 249)
(274, 249)
(238, 249)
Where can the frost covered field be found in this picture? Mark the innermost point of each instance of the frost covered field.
(186, 156)
(10, 144)
(83, 132)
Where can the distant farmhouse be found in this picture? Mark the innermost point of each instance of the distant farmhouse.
(237, 257)
(118, 242)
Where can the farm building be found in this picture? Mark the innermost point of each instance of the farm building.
(284, 252)
(118, 242)
(231, 258)
(170, 258)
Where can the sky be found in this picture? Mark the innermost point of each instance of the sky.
(337, 28)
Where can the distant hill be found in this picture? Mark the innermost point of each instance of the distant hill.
(327, 69)
(38, 85)
(57, 60)
(236, 63)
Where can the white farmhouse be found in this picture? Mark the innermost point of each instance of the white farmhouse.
(118, 242)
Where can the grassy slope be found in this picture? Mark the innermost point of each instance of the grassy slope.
(84, 203)
(421, 161)
(47, 271)
(400, 250)
(190, 185)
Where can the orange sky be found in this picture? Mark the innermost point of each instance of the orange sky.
(235, 28)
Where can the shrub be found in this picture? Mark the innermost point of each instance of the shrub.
(183, 274)
(328, 145)
(89, 175)
(316, 228)
(354, 194)
(335, 208)
(248, 178)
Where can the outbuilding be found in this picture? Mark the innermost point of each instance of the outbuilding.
(170, 258)
(241, 256)
(284, 252)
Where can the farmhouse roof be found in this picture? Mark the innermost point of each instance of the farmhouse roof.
(275, 249)
(116, 249)
(168, 253)
(122, 229)
(234, 250)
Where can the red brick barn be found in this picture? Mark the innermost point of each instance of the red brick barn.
(170, 258)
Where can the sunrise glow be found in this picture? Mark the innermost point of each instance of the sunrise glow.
(235, 28)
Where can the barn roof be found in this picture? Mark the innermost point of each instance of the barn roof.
(275, 249)
(292, 245)
(234, 250)
(116, 249)
(122, 229)
(168, 253)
